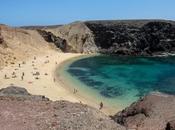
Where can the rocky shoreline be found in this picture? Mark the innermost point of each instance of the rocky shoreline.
(152, 112)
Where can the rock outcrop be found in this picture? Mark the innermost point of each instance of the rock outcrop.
(51, 38)
(132, 37)
(20, 94)
(2, 42)
(153, 112)
(127, 38)
(20, 110)
(78, 36)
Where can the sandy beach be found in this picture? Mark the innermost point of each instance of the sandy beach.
(37, 75)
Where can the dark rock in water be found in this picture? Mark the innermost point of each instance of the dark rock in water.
(31, 114)
(154, 112)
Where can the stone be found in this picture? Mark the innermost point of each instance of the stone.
(170, 125)
(51, 38)
(153, 112)
(20, 94)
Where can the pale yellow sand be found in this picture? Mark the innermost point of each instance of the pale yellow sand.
(45, 85)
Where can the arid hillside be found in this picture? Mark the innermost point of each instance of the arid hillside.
(16, 44)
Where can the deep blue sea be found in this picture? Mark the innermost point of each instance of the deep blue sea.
(122, 80)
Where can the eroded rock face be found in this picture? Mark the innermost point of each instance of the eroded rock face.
(51, 38)
(154, 112)
(78, 36)
(20, 110)
(1, 39)
(2, 42)
(127, 38)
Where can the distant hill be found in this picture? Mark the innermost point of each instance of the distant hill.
(40, 27)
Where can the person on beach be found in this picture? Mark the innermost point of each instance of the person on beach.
(101, 105)
(5, 76)
(54, 79)
(75, 91)
(13, 73)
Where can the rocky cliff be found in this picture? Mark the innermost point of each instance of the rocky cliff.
(78, 36)
(51, 38)
(20, 110)
(132, 37)
(153, 112)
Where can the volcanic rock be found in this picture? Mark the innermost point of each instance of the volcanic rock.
(50, 37)
(127, 37)
(153, 112)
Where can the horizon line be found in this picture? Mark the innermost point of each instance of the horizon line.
(91, 20)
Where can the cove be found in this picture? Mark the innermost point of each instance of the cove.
(119, 81)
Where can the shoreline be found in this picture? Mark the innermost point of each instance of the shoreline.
(39, 75)
(44, 84)
(48, 83)
(68, 84)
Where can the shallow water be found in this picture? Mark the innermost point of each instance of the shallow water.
(119, 81)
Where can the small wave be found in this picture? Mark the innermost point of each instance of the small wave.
(79, 68)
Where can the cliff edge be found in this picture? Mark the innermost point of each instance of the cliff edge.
(155, 111)
(125, 37)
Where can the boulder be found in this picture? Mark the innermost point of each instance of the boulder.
(19, 94)
(155, 111)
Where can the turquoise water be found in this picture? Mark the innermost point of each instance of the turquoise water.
(122, 80)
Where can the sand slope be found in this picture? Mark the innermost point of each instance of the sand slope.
(17, 44)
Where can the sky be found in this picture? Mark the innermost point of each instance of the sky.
(54, 12)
